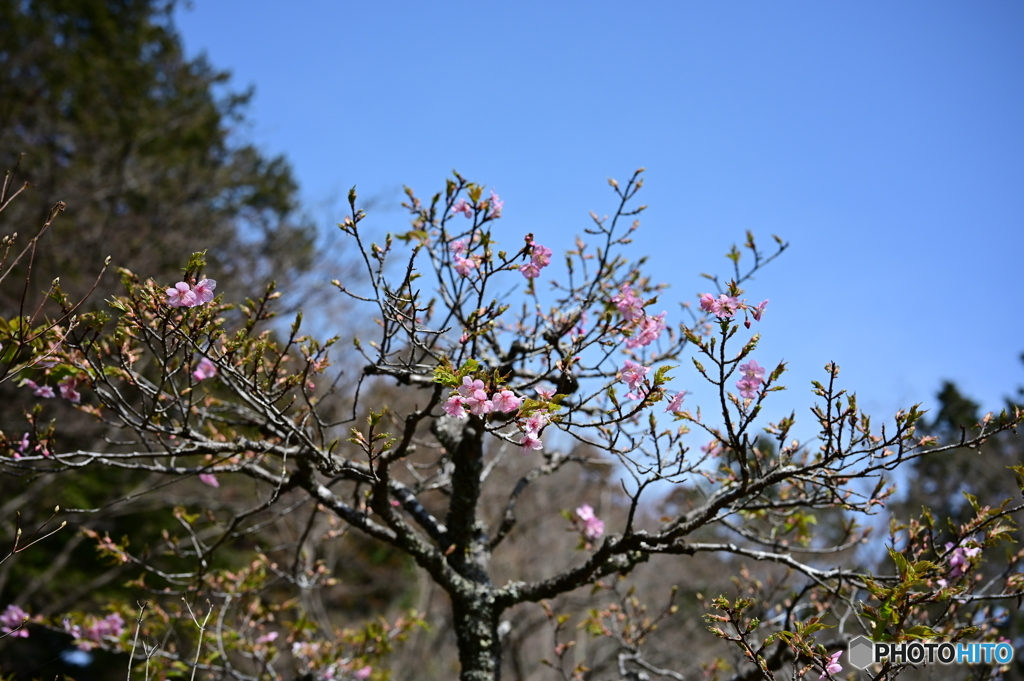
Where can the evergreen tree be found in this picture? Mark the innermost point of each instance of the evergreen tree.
(143, 146)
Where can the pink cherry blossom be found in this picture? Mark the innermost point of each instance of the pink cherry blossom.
(650, 328)
(630, 306)
(362, 674)
(529, 270)
(462, 206)
(11, 619)
(545, 393)
(479, 404)
(73, 629)
(536, 422)
(748, 387)
(593, 527)
(633, 374)
(181, 295)
(455, 406)
(25, 443)
(723, 308)
(506, 401)
(67, 389)
(752, 370)
(959, 560)
(204, 291)
(268, 637)
(39, 390)
(205, 369)
(496, 205)
(209, 479)
(474, 397)
(457, 247)
(585, 512)
(759, 310)
(727, 306)
(464, 265)
(530, 441)
(832, 665)
(112, 625)
(676, 403)
(469, 386)
(540, 255)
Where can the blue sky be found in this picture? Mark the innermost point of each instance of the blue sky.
(884, 141)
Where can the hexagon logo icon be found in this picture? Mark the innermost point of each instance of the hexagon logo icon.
(861, 652)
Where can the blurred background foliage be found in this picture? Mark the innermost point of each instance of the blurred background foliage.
(146, 147)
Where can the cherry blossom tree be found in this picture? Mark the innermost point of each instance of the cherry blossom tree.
(486, 351)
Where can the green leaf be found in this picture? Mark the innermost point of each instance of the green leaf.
(921, 631)
(659, 375)
(470, 366)
(902, 566)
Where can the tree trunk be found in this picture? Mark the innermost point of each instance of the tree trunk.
(473, 606)
(476, 629)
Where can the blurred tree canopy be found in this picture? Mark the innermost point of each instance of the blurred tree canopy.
(147, 149)
(143, 145)
(940, 482)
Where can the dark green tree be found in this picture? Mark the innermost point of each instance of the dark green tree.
(143, 145)
(146, 148)
(939, 482)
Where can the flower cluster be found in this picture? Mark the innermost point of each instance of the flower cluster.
(648, 331)
(592, 527)
(540, 257)
(959, 561)
(531, 432)
(630, 305)
(11, 622)
(753, 376)
(68, 387)
(25, 443)
(183, 295)
(724, 307)
(472, 396)
(463, 265)
(494, 207)
(93, 633)
(38, 390)
(634, 374)
(647, 328)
